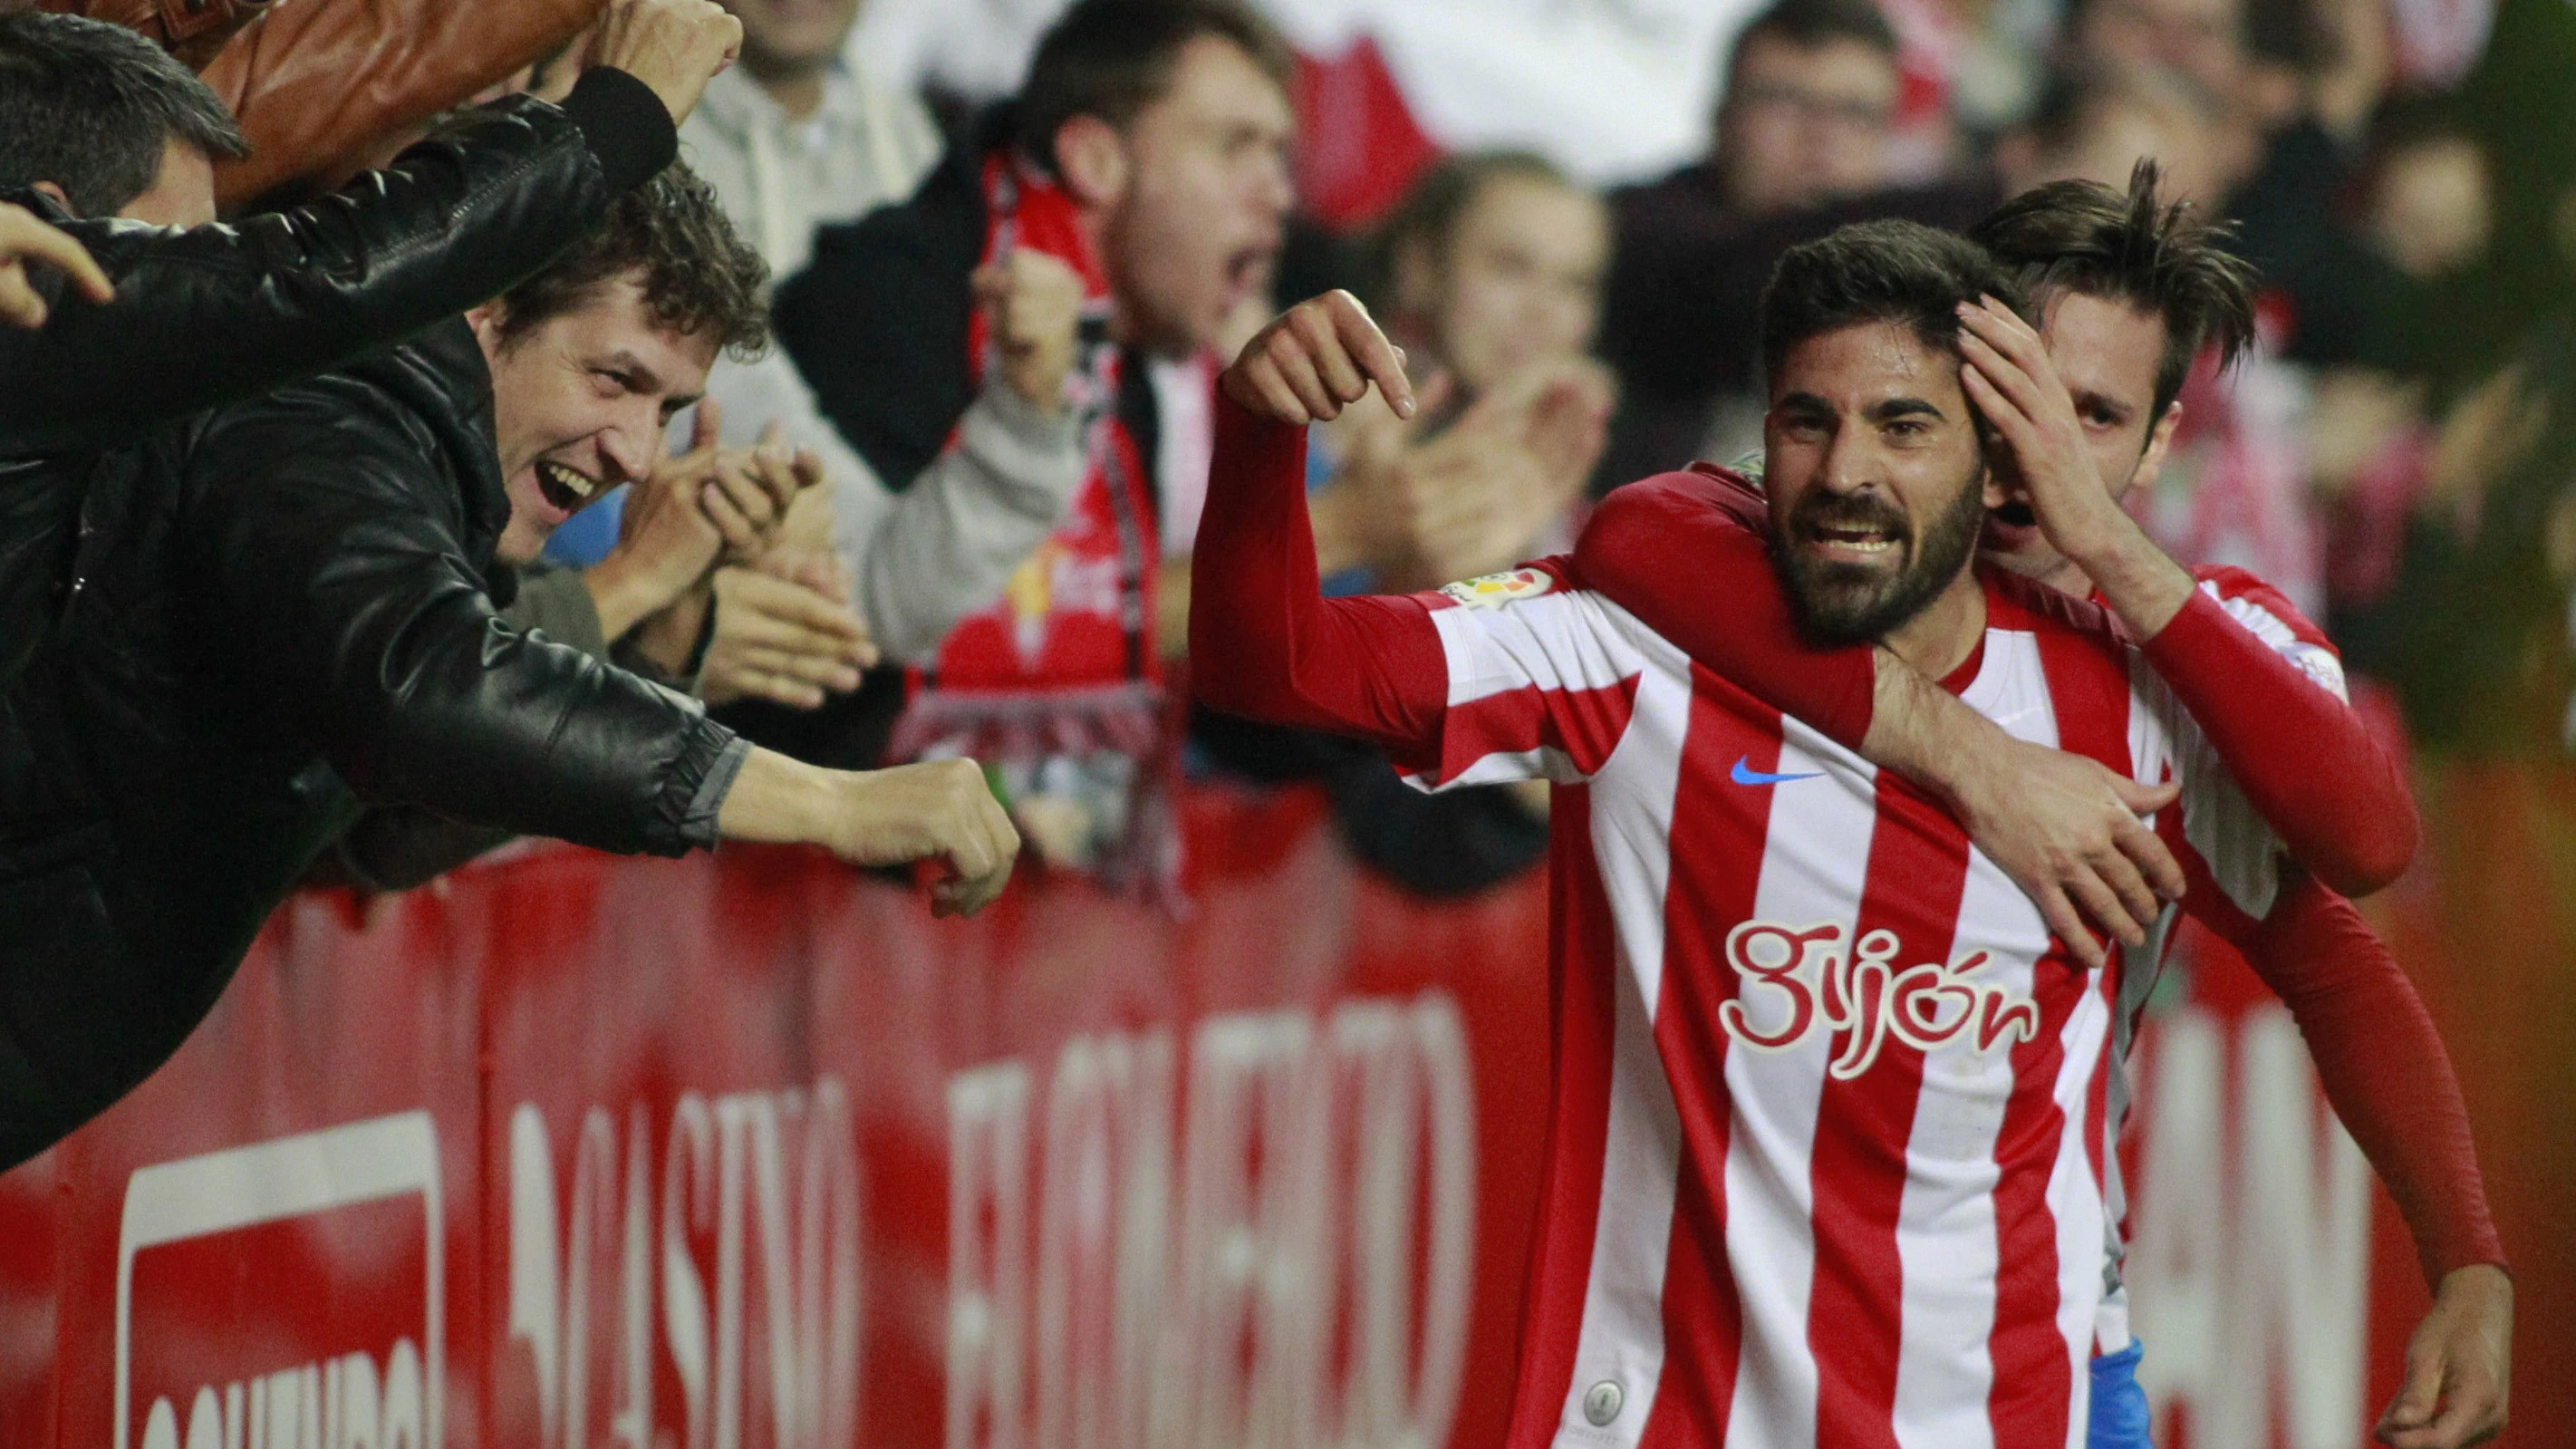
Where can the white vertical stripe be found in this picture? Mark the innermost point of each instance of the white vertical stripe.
(2075, 1202)
(1946, 1238)
(1622, 1338)
(1815, 861)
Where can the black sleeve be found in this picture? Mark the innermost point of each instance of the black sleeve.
(216, 313)
(877, 323)
(329, 552)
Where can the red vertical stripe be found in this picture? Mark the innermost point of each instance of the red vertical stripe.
(2033, 1386)
(1581, 987)
(1718, 832)
(1918, 873)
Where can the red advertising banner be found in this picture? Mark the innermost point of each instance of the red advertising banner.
(749, 1151)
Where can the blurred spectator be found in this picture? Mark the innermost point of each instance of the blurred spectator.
(2479, 628)
(1147, 153)
(1491, 279)
(1800, 146)
(792, 138)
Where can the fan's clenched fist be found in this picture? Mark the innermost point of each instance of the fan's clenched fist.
(1032, 307)
(673, 46)
(941, 811)
(1315, 359)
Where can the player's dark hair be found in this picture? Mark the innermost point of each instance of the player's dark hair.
(1876, 271)
(699, 276)
(2154, 255)
(1113, 58)
(1809, 24)
(91, 106)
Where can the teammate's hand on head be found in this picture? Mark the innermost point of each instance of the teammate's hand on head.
(939, 810)
(1033, 309)
(673, 46)
(26, 241)
(2068, 831)
(1315, 359)
(2007, 374)
(779, 639)
(2458, 1365)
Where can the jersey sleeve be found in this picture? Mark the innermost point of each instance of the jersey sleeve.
(2226, 847)
(2383, 1067)
(1686, 553)
(1513, 677)
(1264, 642)
(2266, 688)
(1542, 681)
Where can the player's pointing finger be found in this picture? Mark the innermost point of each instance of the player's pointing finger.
(1369, 348)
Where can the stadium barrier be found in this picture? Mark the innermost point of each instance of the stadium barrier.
(748, 1151)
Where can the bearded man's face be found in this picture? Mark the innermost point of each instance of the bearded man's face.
(1878, 484)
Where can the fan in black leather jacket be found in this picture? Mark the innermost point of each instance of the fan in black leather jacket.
(218, 313)
(267, 601)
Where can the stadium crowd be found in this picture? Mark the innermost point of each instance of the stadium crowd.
(642, 425)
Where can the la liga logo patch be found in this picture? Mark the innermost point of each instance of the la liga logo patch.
(1495, 590)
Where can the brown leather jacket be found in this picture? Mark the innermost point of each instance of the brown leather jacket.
(193, 30)
(320, 86)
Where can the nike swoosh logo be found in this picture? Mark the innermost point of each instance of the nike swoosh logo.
(1745, 774)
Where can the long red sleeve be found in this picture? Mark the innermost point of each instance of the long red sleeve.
(2382, 1065)
(1685, 553)
(1265, 643)
(2304, 758)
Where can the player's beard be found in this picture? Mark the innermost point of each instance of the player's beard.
(1847, 603)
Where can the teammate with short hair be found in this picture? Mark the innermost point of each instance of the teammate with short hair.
(1826, 1159)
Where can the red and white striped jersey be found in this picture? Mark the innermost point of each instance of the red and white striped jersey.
(2269, 616)
(1831, 1127)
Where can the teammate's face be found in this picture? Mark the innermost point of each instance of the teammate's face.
(580, 402)
(1520, 280)
(1875, 477)
(2106, 351)
(1197, 227)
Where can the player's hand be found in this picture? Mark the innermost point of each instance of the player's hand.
(1032, 305)
(2459, 1365)
(26, 241)
(673, 46)
(1315, 359)
(939, 810)
(783, 640)
(2009, 376)
(2067, 830)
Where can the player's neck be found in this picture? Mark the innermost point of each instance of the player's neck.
(1940, 639)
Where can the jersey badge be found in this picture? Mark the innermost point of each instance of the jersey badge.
(1492, 591)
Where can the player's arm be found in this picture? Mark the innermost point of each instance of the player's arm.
(2389, 1080)
(1687, 554)
(2305, 760)
(1264, 642)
